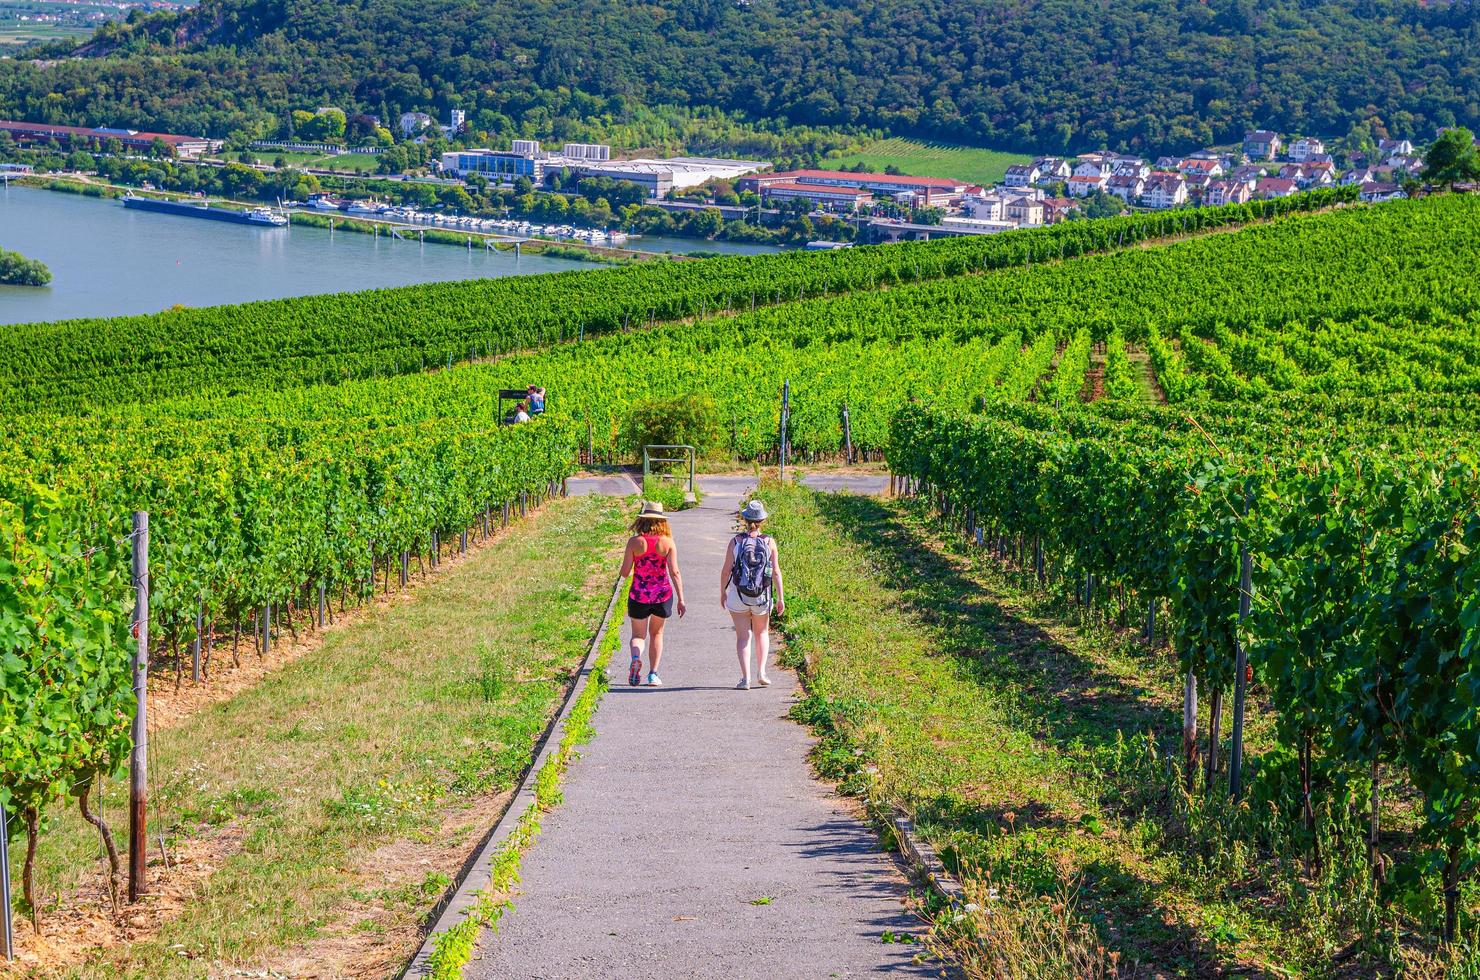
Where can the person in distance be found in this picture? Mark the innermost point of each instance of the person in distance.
(750, 589)
(536, 400)
(651, 559)
(521, 414)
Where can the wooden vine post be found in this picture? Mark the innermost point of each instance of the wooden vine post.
(1241, 669)
(138, 784)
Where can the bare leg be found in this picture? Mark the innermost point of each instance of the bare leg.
(742, 643)
(639, 640)
(761, 627)
(655, 642)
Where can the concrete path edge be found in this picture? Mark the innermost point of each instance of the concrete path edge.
(476, 873)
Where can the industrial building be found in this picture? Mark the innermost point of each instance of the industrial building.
(844, 199)
(657, 177)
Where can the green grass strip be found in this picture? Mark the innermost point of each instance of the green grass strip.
(452, 950)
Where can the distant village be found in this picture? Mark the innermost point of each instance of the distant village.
(866, 207)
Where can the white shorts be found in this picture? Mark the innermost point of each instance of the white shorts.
(734, 605)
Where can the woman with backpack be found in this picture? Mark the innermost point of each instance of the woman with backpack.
(651, 559)
(750, 589)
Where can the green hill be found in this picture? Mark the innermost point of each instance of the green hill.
(1066, 74)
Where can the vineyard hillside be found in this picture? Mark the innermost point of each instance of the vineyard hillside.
(1247, 432)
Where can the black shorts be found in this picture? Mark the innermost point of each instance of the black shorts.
(642, 610)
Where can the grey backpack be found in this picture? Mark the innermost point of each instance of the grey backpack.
(751, 571)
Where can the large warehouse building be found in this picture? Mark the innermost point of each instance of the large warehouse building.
(658, 177)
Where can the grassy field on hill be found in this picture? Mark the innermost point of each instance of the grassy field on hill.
(348, 162)
(922, 159)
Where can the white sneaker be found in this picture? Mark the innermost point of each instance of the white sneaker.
(654, 680)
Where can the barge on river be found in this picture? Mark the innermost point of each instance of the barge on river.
(201, 209)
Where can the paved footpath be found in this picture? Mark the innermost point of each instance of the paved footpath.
(692, 805)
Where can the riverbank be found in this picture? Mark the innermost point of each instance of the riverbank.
(107, 260)
(574, 251)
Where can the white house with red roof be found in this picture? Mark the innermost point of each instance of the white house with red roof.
(1083, 185)
(1200, 165)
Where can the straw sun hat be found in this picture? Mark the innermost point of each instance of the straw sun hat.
(651, 508)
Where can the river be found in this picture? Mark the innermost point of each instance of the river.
(106, 260)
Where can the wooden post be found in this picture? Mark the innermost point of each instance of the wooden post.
(138, 783)
(1241, 667)
(1189, 729)
(7, 938)
(321, 605)
(785, 410)
(195, 651)
(847, 437)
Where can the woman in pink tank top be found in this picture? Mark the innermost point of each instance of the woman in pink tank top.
(651, 559)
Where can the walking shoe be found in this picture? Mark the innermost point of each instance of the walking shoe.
(634, 673)
(654, 680)
(744, 685)
(764, 681)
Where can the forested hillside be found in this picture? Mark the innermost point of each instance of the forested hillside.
(1148, 75)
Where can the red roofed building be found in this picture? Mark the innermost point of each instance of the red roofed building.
(1275, 187)
(132, 139)
(934, 188)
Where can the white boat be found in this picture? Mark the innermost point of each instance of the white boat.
(266, 216)
(365, 207)
(323, 202)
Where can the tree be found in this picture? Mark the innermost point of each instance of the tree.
(707, 222)
(1452, 158)
(80, 161)
(17, 270)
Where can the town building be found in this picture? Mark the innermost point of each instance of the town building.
(1304, 148)
(1357, 175)
(1248, 174)
(1261, 144)
(930, 190)
(1056, 209)
(846, 200)
(412, 123)
(1083, 185)
(1374, 192)
(1387, 149)
(1131, 167)
(1199, 165)
(982, 226)
(1164, 191)
(1053, 168)
(1094, 165)
(984, 207)
(1221, 192)
(133, 140)
(1022, 175)
(1270, 187)
(1127, 187)
(1024, 211)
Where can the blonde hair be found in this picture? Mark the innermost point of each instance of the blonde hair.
(652, 525)
(752, 525)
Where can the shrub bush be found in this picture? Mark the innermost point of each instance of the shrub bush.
(683, 420)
